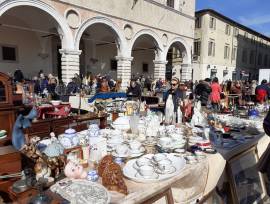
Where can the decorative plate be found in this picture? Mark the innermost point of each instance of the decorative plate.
(130, 172)
(81, 191)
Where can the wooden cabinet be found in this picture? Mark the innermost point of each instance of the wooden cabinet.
(7, 111)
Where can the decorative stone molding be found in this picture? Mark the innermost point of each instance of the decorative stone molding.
(165, 40)
(159, 69)
(128, 31)
(67, 41)
(70, 64)
(73, 18)
(124, 70)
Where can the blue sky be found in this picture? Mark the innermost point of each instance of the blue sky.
(252, 13)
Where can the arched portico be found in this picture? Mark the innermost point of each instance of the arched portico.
(146, 48)
(178, 56)
(66, 34)
(120, 39)
(44, 33)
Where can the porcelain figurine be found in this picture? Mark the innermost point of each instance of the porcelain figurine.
(74, 171)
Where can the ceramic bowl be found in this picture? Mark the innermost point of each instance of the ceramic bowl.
(55, 102)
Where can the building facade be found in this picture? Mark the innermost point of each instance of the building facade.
(227, 49)
(117, 37)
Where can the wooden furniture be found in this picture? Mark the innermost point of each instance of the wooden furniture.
(58, 126)
(167, 194)
(19, 198)
(92, 116)
(7, 112)
(40, 128)
(10, 160)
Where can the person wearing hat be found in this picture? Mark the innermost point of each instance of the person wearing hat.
(175, 94)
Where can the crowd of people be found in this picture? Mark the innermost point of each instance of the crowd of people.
(210, 92)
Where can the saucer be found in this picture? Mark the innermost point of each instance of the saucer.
(115, 154)
(137, 151)
(171, 170)
(153, 176)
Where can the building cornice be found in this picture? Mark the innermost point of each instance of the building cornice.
(231, 21)
(170, 9)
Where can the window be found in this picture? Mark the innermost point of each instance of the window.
(226, 51)
(235, 32)
(9, 53)
(252, 57)
(198, 22)
(265, 60)
(113, 64)
(170, 3)
(228, 29)
(246, 34)
(145, 67)
(253, 39)
(260, 59)
(244, 56)
(197, 48)
(212, 23)
(211, 48)
(234, 53)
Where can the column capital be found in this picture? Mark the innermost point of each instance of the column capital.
(160, 62)
(120, 58)
(70, 52)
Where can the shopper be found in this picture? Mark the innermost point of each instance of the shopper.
(203, 91)
(215, 94)
(262, 92)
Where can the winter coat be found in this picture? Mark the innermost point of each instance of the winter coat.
(203, 90)
(178, 94)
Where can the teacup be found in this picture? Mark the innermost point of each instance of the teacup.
(159, 157)
(164, 164)
(143, 161)
(165, 141)
(135, 145)
(146, 170)
(121, 149)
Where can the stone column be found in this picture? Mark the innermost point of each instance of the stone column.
(70, 63)
(124, 70)
(159, 69)
(186, 72)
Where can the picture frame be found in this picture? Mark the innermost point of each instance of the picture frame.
(246, 182)
(75, 151)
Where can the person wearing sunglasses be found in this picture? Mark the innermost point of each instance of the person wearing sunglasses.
(176, 94)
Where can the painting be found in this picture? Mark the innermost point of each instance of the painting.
(246, 182)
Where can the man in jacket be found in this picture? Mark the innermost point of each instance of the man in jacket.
(203, 91)
(176, 93)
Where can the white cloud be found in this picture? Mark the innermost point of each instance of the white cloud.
(255, 21)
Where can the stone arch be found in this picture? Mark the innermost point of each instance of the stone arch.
(181, 41)
(121, 42)
(67, 38)
(153, 35)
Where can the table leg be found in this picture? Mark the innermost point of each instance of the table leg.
(167, 194)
